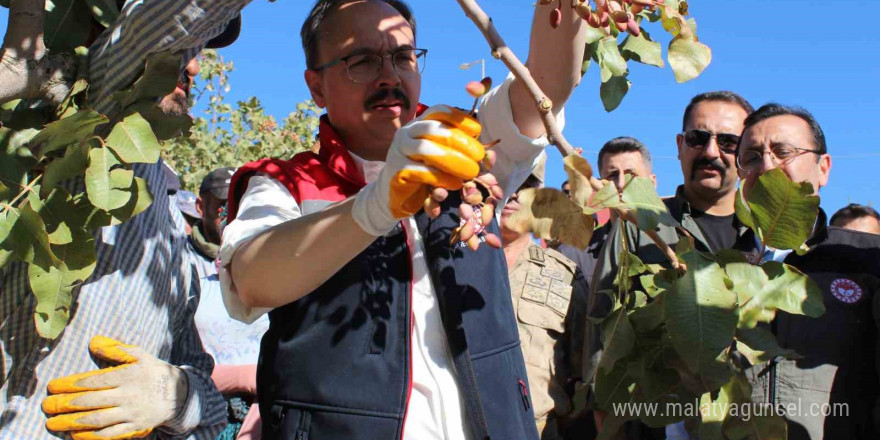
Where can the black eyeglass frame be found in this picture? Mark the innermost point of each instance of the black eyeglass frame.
(420, 54)
(776, 161)
(703, 145)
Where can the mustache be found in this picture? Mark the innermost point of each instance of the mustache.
(386, 93)
(715, 164)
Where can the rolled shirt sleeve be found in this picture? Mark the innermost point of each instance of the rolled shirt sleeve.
(517, 154)
(265, 203)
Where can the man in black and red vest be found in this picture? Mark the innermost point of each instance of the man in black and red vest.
(380, 329)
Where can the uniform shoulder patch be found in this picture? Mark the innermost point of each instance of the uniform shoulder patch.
(562, 259)
(846, 290)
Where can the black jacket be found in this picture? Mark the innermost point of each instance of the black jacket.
(838, 372)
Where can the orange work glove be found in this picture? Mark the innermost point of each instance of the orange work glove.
(438, 149)
(122, 402)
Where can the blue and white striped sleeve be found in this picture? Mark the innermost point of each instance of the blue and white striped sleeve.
(145, 27)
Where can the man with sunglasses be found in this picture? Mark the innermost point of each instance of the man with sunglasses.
(379, 327)
(833, 390)
(703, 206)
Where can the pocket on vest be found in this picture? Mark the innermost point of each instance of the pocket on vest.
(301, 421)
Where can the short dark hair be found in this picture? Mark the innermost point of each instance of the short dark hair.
(323, 9)
(624, 144)
(772, 109)
(721, 95)
(851, 212)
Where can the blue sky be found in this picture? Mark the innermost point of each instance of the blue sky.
(792, 52)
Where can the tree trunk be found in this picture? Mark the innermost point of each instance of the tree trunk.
(27, 71)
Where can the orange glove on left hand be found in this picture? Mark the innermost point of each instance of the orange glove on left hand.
(121, 402)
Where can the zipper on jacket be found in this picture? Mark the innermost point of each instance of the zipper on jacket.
(524, 392)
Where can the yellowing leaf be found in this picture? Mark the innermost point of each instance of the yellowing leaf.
(549, 214)
(579, 172)
(688, 58)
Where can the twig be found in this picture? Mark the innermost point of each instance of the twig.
(27, 188)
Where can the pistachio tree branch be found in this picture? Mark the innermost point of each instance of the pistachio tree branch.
(501, 51)
(26, 69)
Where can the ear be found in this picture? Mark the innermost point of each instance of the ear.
(315, 82)
(200, 206)
(679, 140)
(824, 169)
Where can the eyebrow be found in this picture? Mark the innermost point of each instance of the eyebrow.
(370, 51)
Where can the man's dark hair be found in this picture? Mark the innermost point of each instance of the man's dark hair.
(323, 9)
(723, 96)
(851, 212)
(772, 109)
(624, 144)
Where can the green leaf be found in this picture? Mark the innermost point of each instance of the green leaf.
(607, 197)
(13, 172)
(79, 256)
(609, 56)
(688, 58)
(649, 317)
(68, 103)
(613, 91)
(107, 186)
(29, 240)
(791, 291)
(593, 35)
(165, 126)
(740, 424)
(68, 25)
(613, 386)
(74, 162)
(618, 339)
(642, 49)
(160, 77)
(133, 141)
(758, 345)
(54, 298)
(139, 202)
(700, 313)
(58, 230)
(641, 196)
(104, 11)
(784, 212)
(743, 213)
(72, 130)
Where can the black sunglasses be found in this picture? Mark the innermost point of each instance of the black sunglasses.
(700, 138)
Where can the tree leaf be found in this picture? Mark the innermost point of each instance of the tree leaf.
(784, 212)
(755, 426)
(107, 187)
(640, 195)
(579, 172)
(59, 232)
(160, 77)
(104, 11)
(74, 162)
(79, 256)
(54, 299)
(791, 291)
(649, 317)
(609, 56)
(140, 200)
(743, 213)
(613, 91)
(28, 238)
(642, 49)
(613, 386)
(68, 24)
(165, 126)
(607, 197)
(68, 131)
(549, 214)
(758, 345)
(700, 313)
(133, 141)
(688, 58)
(618, 339)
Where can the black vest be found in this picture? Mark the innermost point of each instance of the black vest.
(336, 364)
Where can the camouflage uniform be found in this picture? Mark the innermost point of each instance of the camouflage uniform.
(551, 308)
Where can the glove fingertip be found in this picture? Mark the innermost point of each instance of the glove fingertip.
(111, 349)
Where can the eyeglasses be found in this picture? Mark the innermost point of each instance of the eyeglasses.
(780, 154)
(365, 68)
(699, 139)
